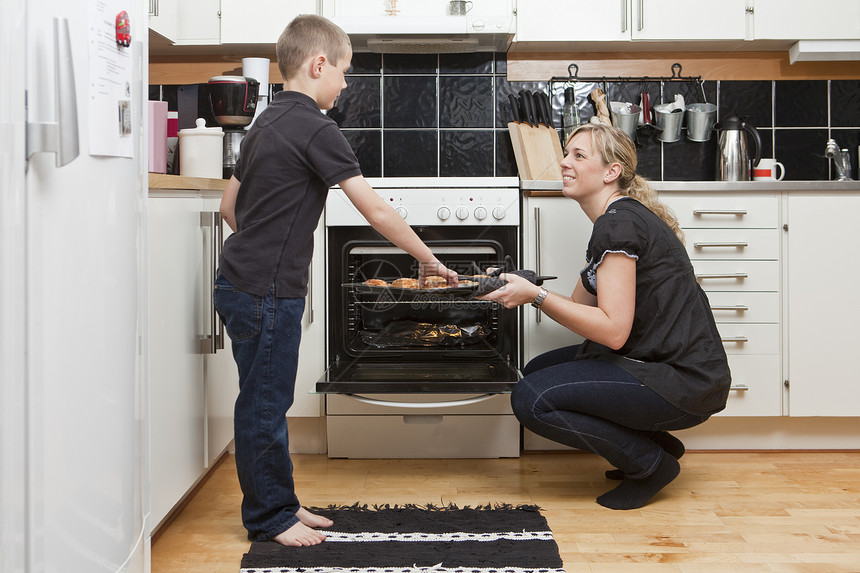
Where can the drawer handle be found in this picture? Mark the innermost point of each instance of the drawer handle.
(737, 212)
(739, 307)
(740, 245)
(735, 339)
(725, 276)
(739, 387)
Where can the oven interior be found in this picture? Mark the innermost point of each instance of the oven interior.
(394, 340)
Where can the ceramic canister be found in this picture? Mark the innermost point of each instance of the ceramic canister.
(201, 150)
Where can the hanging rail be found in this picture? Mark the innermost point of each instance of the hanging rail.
(573, 76)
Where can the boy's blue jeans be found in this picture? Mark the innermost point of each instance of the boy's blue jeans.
(265, 332)
(598, 407)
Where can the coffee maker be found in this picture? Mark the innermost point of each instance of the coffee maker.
(234, 101)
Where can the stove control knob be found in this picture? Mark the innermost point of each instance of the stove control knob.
(401, 211)
(443, 213)
(480, 213)
(462, 213)
(499, 213)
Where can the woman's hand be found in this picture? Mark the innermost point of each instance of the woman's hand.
(518, 291)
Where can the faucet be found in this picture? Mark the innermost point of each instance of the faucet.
(840, 158)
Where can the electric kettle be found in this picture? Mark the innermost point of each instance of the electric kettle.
(734, 161)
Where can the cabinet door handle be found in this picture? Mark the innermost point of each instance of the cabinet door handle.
(311, 293)
(641, 15)
(537, 255)
(623, 16)
(739, 387)
(735, 339)
(738, 307)
(213, 341)
(735, 212)
(703, 245)
(724, 276)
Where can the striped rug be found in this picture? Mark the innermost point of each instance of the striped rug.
(416, 539)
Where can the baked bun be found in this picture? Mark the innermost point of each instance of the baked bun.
(435, 281)
(375, 282)
(405, 282)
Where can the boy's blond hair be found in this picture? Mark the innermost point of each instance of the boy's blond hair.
(306, 36)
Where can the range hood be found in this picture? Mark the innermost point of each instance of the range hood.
(426, 26)
(825, 51)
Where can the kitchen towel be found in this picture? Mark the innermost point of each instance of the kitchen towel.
(409, 539)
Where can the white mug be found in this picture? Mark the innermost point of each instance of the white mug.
(766, 170)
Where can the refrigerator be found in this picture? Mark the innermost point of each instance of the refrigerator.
(73, 184)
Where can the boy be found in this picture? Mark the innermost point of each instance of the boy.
(290, 158)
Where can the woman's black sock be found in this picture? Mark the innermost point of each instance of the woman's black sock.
(634, 493)
(670, 444)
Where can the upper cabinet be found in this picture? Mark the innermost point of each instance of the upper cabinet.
(189, 22)
(805, 20)
(259, 21)
(647, 20)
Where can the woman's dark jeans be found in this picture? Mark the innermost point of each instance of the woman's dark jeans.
(265, 332)
(596, 406)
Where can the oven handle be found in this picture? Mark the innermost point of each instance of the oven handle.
(421, 405)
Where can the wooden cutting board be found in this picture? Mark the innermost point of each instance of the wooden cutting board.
(542, 150)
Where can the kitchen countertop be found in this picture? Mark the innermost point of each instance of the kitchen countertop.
(553, 188)
(162, 181)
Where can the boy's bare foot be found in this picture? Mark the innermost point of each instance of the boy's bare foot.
(300, 535)
(312, 519)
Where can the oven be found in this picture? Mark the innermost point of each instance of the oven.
(421, 373)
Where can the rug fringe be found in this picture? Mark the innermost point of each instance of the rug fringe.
(450, 506)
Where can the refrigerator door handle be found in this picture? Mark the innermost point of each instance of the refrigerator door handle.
(214, 341)
(60, 137)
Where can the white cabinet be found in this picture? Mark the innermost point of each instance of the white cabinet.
(805, 20)
(648, 20)
(823, 306)
(259, 21)
(188, 22)
(555, 237)
(191, 393)
(312, 349)
(734, 243)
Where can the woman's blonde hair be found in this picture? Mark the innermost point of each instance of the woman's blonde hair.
(614, 146)
(306, 36)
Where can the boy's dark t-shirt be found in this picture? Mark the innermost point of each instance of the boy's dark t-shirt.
(290, 157)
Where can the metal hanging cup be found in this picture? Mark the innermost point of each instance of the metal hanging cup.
(700, 121)
(668, 123)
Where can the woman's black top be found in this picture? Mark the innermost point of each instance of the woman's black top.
(674, 347)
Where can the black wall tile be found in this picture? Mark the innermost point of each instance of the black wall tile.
(506, 164)
(749, 100)
(476, 63)
(409, 101)
(687, 160)
(845, 103)
(409, 63)
(410, 154)
(802, 153)
(800, 103)
(465, 153)
(367, 145)
(359, 104)
(366, 63)
(465, 101)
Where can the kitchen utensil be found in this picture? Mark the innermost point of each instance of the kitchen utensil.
(200, 151)
(700, 121)
(459, 7)
(540, 142)
(668, 122)
(766, 170)
(646, 108)
(514, 126)
(625, 116)
(734, 160)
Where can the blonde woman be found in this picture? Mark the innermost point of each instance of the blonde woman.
(652, 360)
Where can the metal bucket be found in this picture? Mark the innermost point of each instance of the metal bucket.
(625, 116)
(700, 121)
(668, 123)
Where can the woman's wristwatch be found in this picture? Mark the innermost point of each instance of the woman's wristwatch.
(541, 295)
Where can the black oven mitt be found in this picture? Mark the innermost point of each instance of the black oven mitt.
(493, 282)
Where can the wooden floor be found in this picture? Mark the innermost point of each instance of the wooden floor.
(726, 512)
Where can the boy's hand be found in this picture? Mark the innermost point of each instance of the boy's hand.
(438, 269)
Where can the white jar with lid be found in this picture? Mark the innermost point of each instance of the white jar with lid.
(201, 150)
